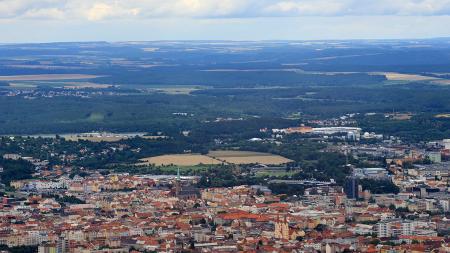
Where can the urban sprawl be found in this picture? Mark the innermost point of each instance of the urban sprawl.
(60, 210)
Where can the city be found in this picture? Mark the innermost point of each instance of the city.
(204, 126)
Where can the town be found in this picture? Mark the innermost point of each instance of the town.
(208, 126)
(395, 198)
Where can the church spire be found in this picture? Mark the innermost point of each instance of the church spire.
(178, 183)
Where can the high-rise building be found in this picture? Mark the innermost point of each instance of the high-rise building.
(351, 188)
(62, 245)
(384, 229)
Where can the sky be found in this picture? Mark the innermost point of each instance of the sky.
(140, 20)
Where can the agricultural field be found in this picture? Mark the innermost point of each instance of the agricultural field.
(179, 160)
(247, 157)
(48, 77)
(443, 116)
(392, 76)
(215, 158)
(99, 137)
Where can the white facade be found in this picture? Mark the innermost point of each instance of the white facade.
(446, 143)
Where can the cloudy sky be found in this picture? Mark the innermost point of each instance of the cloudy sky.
(121, 20)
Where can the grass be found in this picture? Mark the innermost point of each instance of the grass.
(215, 158)
(184, 169)
(46, 77)
(275, 174)
(248, 157)
(179, 160)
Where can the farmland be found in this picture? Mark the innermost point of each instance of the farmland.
(406, 77)
(179, 160)
(48, 77)
(246, 157)
(215, 158)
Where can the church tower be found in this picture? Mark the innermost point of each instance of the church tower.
(178, 183)
(282, 229)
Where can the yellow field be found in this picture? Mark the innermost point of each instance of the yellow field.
(442, 116)
(248, 157)
(48, 77)
(179, 160)
(216, 157)
(393, 76)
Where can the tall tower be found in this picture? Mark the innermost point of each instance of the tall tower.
(178, 183)
(282, 229)
(351, 187)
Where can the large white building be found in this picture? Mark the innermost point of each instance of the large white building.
(335, 130)
(446, 143)
(376, 173)
(395, 228)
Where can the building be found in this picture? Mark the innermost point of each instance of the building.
(446, 143)
(435, 157)
(12, 156)
(374, 173)
(283, 231)
(300, 130)
(47, 248)
(62, 245)
(351, 188)
(336, 130)
(392, 228)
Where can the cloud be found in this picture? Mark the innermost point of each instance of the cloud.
(95, 10)
(99, 11)
(308, 7)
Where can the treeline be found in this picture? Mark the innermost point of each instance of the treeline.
(233, 79)
(15, 170)
(19, 249)
(421, 127)
(155, 112)
(226, 176)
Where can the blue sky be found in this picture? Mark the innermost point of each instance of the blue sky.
(122, 20)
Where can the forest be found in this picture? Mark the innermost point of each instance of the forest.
(256, 108)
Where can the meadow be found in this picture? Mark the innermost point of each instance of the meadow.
(248, 157)
(215, 158)
(179, 160)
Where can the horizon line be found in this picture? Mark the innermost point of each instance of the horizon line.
(230, 40)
